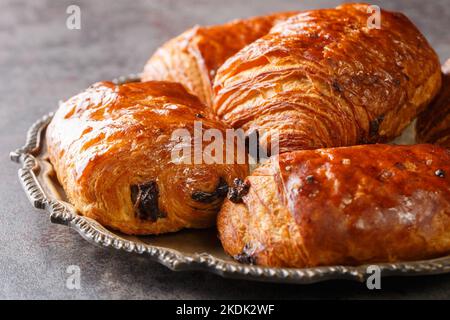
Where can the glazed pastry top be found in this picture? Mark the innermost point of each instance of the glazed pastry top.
(433, 125)
(193, 57)
(111, 147)
(323, 78)
(351, 205)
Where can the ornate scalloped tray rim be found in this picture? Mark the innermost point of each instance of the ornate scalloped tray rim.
(62, 212)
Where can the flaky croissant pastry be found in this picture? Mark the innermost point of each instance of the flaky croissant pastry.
(349, 205)
(111, 148)
(433, 125)
(323, 78)
(193, 57)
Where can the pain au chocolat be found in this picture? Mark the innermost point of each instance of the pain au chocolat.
(111, 149)
(193, 57)
(326, 78)
(348, 205)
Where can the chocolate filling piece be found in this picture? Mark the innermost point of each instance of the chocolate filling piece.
(337, 86)
(375, 126)
(310, 179)
(145, 201)
(239, 189)
(208, 197)
(245, 256)
(400, 166)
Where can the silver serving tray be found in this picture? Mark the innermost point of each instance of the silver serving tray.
(184, 250)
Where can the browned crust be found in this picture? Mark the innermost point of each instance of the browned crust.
(111, 149)
(433, 125)
(232, 227)
(353, 205)
(193, 57)
(322, 78)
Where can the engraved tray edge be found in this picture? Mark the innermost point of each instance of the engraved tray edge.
(63, 213)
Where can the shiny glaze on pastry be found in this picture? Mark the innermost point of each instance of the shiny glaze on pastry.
(433, 125)
(111, 149)
(322, 78)
(193, 57)
(349, 205)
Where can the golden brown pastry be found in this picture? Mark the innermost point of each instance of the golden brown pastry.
(322, 78)
(111, 149)
(193, 57)
(433, 125)
(349, 205)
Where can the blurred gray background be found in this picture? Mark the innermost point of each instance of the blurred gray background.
(41, 62)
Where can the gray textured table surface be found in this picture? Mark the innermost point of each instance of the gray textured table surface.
(41, 61)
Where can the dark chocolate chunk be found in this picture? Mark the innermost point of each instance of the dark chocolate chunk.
(363, 140)
(208, 197)
(310, 179)
(440, 173)
(400, 166)
(199, 115)
(239, 189)
(245, 256)
(336, 86)
(375, 126)
(145, 201)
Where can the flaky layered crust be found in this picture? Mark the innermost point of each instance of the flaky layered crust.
(323, 78)
(351, 205)
(193, 57)
(433, 125)
(111, 149)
